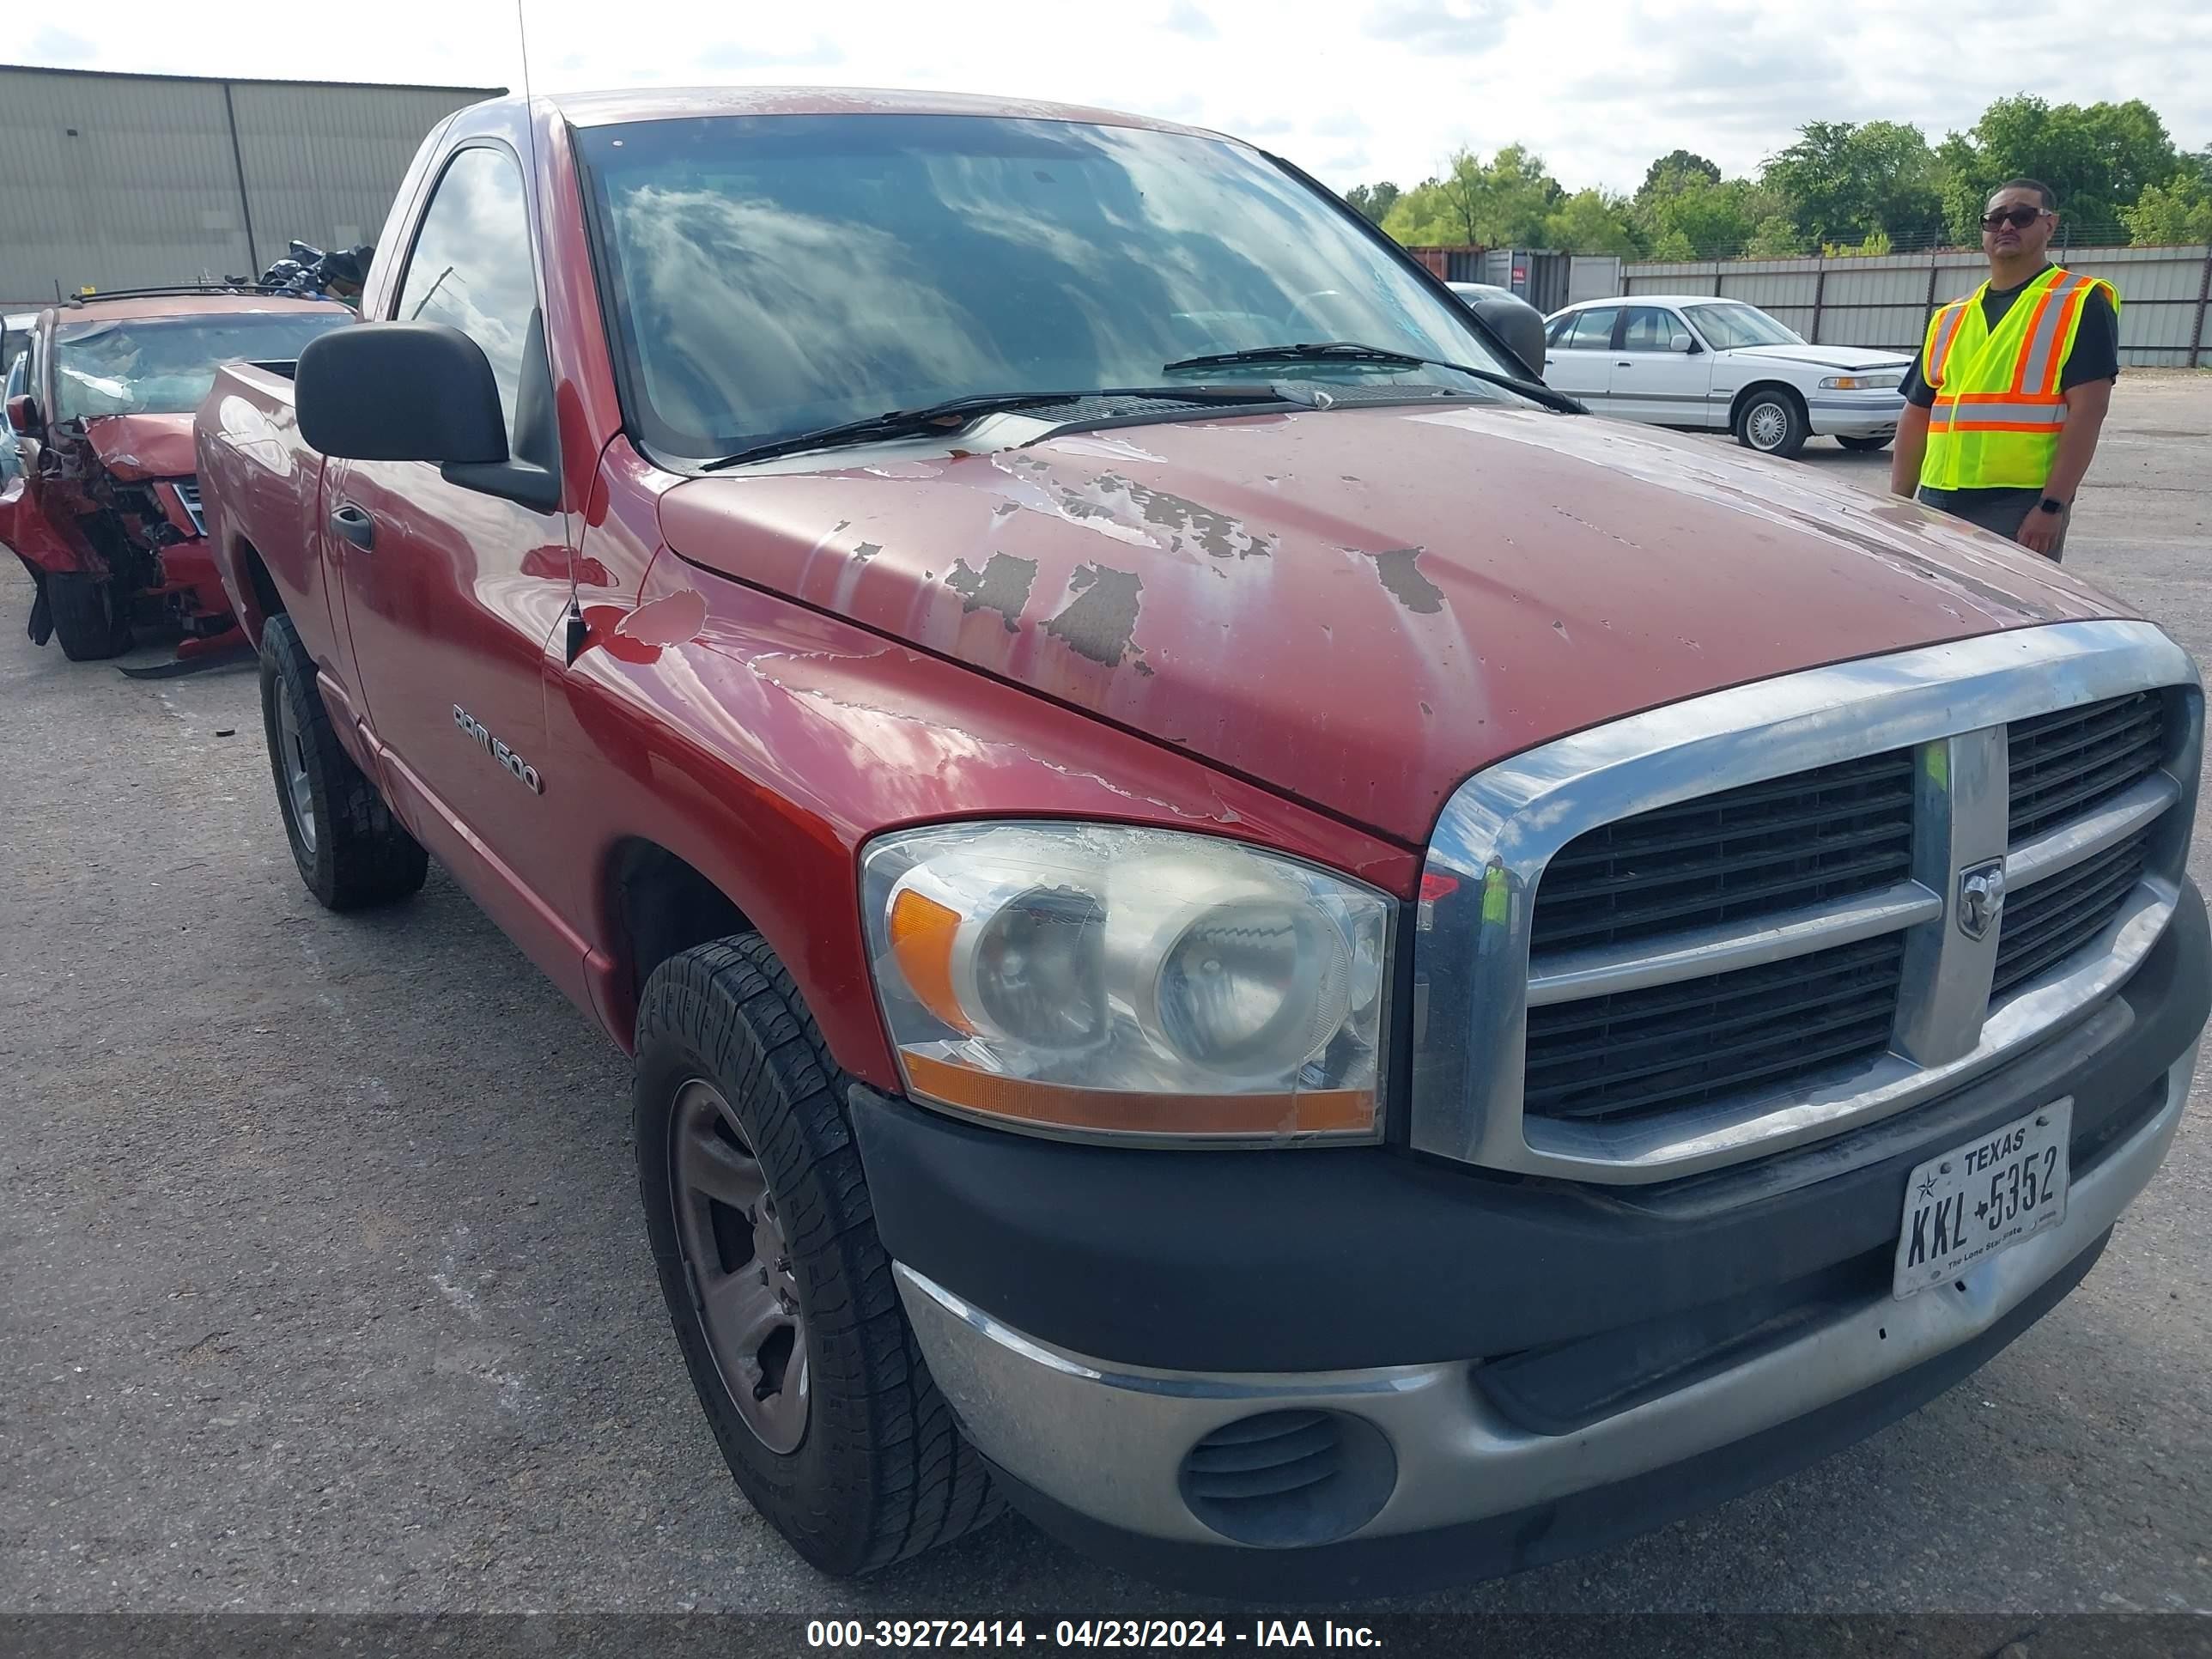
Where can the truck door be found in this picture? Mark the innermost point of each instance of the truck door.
(454, 598)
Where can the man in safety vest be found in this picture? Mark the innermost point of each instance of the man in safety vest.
(2005, 401)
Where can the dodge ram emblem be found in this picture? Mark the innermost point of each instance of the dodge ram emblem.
(1981, 898)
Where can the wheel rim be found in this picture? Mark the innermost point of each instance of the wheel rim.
(1768, 425)
(292, 756)
(739, 1267)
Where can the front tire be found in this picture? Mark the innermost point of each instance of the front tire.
(1773, 421)
(349, 849)
(87, 620)
(780, 1290)
(1865, 445)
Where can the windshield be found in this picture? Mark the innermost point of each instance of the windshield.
(1728, 327)
(774, 275)
(164, 365)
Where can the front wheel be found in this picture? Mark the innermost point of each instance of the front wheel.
(1865, 445)
(88, 619)
(779, 1288)
(349, 849)
(1773, 421)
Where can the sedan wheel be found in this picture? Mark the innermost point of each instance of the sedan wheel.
(1773, 423)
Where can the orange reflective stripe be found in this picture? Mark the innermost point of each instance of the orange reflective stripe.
(2040, 359)
(2028, 341)
(1946, 329)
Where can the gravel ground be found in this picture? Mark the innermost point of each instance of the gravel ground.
(323, 1284)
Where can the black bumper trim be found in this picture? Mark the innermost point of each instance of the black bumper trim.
(1414, 1563)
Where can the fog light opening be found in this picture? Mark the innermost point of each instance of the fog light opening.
(1290, 1478)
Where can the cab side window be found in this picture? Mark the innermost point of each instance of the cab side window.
(471, 267)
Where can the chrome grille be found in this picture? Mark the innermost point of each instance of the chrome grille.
(2068, 764)
(1679, 1044)
(2048, 922)
(1722, 928)
(1743, 853)
(188, 492)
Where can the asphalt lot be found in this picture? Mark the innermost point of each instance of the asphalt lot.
(322, 1284)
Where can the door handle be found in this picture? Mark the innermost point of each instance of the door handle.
(1624, 365)
(354, 524)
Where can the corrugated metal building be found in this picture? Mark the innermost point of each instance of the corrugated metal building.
(129, 180)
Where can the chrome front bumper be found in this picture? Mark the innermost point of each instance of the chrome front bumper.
(1108, 1442)
(1854, 415)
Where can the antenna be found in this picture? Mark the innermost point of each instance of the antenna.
(576, 631)
(529, 106)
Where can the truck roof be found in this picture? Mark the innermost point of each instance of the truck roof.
(136, 308)
(593, 109)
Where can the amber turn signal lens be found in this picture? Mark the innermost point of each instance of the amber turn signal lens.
(1052, 1105)
(922, 933)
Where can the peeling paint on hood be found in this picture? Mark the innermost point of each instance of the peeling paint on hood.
(137, 447)
(1495, 578)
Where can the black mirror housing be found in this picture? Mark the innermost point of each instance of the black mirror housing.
(399, 392)
(1519, 324)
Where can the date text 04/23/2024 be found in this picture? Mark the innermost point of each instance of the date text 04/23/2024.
(830, 1633)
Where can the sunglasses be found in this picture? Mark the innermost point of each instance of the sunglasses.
(2020, 218)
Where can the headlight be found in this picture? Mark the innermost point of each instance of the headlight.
(1862, 383)
(1098, 980)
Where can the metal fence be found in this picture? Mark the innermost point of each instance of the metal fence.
(1886, 300)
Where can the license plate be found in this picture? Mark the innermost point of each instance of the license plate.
(1984, 1197)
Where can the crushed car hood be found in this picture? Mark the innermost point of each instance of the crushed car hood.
(138, 446)
(1360, 607)
(1825, 357)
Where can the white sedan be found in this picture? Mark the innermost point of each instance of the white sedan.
(1689, 360)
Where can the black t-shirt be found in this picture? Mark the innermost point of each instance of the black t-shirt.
(2095, 356)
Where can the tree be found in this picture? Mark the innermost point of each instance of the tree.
(1775, 238)
(2178, 211)
(1846, 181)
(1502, 203)
(2098, 158)
(1592, 221)
(1674, 245)
(1373, 201)
(1666, 173)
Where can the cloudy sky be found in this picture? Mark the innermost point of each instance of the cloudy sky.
(1352, 89)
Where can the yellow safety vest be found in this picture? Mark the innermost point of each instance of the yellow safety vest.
(1998, 406)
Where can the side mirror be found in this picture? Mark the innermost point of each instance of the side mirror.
(1684, 343)
(23, 419)
(425, 392)
(1519, 324)
(399, 392)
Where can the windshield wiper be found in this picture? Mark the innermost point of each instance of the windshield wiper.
(954, 413)
(1352, 351)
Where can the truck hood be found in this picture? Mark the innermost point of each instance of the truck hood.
(1825, 356)
(138, 446)
(1360, 607)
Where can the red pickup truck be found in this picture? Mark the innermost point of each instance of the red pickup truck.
(1238, 926)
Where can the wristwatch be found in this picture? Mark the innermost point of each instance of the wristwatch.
(2052, 504)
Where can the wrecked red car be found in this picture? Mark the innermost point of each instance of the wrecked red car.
(104, 509)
